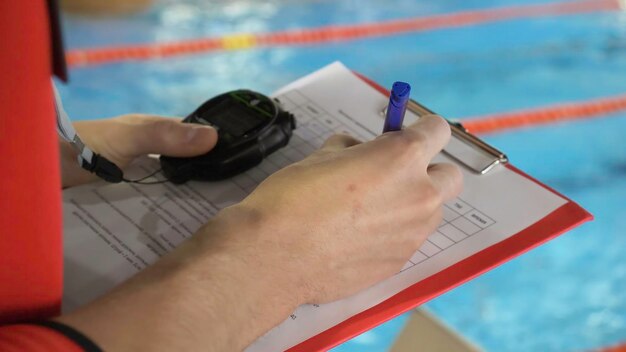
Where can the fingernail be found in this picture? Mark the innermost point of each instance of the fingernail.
(194, 132)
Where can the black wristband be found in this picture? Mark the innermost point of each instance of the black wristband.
(76, 336)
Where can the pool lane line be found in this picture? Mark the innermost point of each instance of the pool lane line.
(546, 115)
(615, 348)
(335, 33)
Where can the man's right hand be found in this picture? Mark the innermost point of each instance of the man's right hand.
(352, 213)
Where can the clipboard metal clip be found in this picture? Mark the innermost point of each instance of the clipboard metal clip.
(465, 148)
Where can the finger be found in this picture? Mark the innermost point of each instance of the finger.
(144, 134)
(433, 130)
(447, 178)
(339, 141)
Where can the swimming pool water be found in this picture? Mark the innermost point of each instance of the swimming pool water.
(569, 294)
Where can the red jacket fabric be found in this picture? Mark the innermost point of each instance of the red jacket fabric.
(30, 188)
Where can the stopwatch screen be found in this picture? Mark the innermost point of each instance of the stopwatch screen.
(235, 119)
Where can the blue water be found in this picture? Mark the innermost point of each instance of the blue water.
(567, 295)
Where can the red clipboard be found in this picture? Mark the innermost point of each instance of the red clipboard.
(561, 220)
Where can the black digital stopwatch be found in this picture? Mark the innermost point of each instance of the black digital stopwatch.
(250, 126)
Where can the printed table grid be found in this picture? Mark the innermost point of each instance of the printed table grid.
(313, 117)
(460, 221)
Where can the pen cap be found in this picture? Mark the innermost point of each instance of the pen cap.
(400, 93)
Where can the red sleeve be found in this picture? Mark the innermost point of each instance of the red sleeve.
(30, 195)
(31, 338)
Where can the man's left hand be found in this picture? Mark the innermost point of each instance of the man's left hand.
(124, 138)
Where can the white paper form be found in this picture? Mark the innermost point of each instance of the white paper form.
(113, 231)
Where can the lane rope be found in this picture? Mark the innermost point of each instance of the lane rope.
(615, 348)
(335, 33)
(551, 114)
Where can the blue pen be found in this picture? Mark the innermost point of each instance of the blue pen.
(398, 99)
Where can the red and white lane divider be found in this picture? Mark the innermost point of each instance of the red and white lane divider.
(551, 114)
(336, 33)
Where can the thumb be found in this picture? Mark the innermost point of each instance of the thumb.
(167, 136)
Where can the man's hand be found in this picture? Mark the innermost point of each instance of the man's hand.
(127, 137)
(337, 222)
(351, 214)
